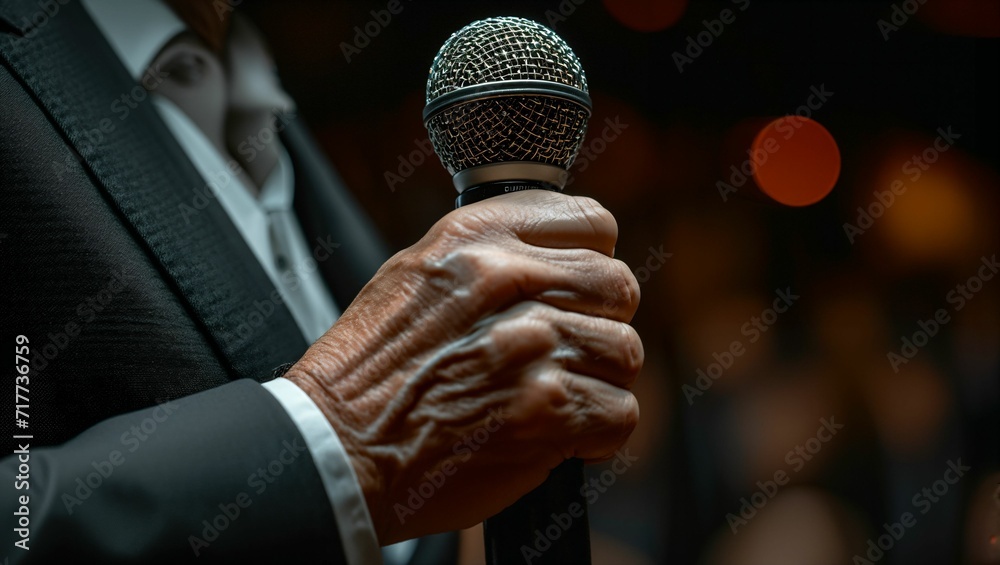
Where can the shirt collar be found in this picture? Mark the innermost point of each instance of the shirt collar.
(136, 29)
(277, 191)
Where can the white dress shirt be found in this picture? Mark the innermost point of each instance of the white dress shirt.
(137, 30)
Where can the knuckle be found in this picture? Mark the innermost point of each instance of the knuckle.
(536, 312)
(540, 407)
(470, 260)
(626, 286)
(520, 335)
(473, 267)
(634, 352)
(490, 271)
(632, 285)
(494, 344)
(630, 416)
(550, 391)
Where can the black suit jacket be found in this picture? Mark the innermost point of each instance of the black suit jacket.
(148, 325)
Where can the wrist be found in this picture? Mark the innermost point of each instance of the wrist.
(365, 470)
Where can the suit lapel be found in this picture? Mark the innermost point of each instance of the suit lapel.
(76, 78)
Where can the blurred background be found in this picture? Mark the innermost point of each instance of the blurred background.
(819, 292)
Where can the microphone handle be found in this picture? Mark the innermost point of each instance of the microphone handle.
(549, 525)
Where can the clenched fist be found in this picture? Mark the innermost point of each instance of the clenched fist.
(482, 357)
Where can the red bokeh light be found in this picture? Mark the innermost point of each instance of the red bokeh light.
(976, 18)
(795, 161)
(646, 15)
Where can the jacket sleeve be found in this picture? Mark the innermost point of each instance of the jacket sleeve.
(216, 477)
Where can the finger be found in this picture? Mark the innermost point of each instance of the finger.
(605, 287)
(604, 349)
(596, 347)
(594, 418)
(485, 366)
(494, 280)
(549, 219)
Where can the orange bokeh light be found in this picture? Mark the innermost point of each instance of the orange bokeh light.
(646, 15)
(795, 161)
(934, 219)
(940, 211)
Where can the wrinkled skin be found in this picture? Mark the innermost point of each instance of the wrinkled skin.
(512, 305)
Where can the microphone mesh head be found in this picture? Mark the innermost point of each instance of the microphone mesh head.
(493, 127)
(499, 49)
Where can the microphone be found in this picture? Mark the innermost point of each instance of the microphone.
(507, 110)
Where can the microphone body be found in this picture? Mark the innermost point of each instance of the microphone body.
(547, 526)
(507, 110)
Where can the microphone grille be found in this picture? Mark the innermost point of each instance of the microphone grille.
(496, 122)
(503, 49)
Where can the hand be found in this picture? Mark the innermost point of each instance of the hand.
(480, 358)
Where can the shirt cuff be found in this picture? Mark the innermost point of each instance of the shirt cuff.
(342, 487)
